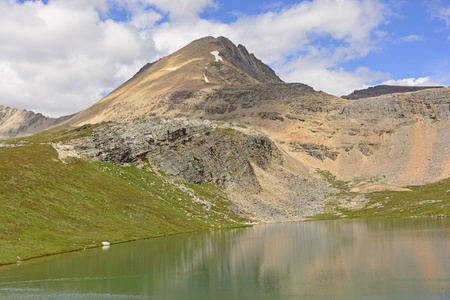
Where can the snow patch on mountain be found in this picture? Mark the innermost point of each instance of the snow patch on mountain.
(217, 56)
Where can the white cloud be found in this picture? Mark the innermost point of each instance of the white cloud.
(175, 9)
(444, 14)
(60, 57)
(334, 81)
(422, 81)
(411, 38)
(439, 9)
(274, 35)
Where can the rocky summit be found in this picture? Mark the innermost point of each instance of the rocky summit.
(203, 65)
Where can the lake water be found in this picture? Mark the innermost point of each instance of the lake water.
(346, 259)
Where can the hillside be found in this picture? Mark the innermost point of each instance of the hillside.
(52, 204)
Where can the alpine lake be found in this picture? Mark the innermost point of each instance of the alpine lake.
(345, 259)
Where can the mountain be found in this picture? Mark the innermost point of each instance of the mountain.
(400, 139)
(382, 89)
(205, 64)
(18, 123)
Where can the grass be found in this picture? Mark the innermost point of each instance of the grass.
(333, 181)
(226, 130)
(430, 200)
(48, 206)
(57, 135)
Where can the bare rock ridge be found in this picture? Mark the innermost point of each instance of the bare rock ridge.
(382, 89)
(241, 58)
(18, 123)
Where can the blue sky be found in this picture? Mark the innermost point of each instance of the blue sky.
(60, 56)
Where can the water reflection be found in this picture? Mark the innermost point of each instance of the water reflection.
(370, 259)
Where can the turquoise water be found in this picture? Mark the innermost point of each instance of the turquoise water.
(346, 259)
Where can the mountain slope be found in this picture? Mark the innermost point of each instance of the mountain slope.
(54, 201)
(18, 123)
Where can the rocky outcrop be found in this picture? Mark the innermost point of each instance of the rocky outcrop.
(18, 123)
(270, 101)
(195, 151)
(317, 151)
(380, 90)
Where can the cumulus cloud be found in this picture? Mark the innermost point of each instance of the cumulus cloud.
(62, 56)
(335, 81)
(186, 10)
(422, 81)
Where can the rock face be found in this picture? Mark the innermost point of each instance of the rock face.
(380, 90)
(195, 151)
(18, 123)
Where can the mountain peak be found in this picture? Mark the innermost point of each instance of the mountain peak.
(203, 65)
(208, 62)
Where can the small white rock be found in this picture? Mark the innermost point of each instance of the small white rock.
(106, 243)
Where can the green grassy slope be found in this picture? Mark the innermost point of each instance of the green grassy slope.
(48, 206)
(430, 200)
